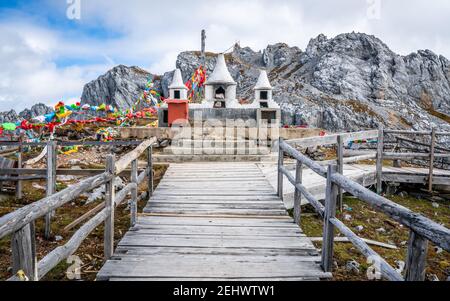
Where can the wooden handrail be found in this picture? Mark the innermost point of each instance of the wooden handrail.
(422, 228)
(126, 160)
(18, 220)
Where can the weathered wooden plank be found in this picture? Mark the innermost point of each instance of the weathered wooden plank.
(109, 206)
(16, 220)
(328, 228)
(210, 267)
(416, 258)
(432, 155)
(51, 184)
(134, 193)
(23, 249)
(130, 250)
(380, 155)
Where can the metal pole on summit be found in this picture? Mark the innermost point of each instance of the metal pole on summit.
(203, 54)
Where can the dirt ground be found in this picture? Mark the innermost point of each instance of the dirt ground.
(378, 227)
(91, 250)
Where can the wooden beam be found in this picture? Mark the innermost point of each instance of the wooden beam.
(19, 184)
(150, 177)
(379, 168)
(340, 169)
(51, 183)
(126, 160)
(298, 194)
(328, 228)
(432, 150)
(416, 259)
(280, 165)
(23, 248)
(134, 193)
(14, 221)
(431, 230)
(109, 206)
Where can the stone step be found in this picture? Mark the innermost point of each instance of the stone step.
(213, 143)
(167, 158)
(217, 151)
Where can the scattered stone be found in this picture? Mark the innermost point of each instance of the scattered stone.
(353, 267)
(335, 264)
(438, 250)
(347, 217)
(403, 194)
(403, 243)
(66, 178)
(435, 205)
(58, 238)
(164, 143)
(38, 187)
(381, 230)
(400, 266)
(432, 277)
(359, 228)
(74, 162)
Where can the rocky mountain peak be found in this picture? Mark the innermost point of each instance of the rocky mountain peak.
(120, 87)
(350, 82)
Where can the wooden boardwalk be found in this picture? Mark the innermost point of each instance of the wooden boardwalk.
(214, 221)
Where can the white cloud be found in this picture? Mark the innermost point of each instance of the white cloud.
(152, 33)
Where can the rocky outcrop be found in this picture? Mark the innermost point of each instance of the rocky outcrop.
(36, 110)
(9, 116)
(347, 83)
(121, 87)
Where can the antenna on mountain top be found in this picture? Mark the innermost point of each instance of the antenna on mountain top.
(203, 55)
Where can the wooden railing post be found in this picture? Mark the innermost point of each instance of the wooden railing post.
(397, 162)
(328, 228)
(280, 164)
(150, 171)
(19, 184)
(51, 183)
(432, 150)
(416, 257)
(23, 246)
(379, 167)
(340, 169)
(298, 194)
(134, 192)
(109, 205)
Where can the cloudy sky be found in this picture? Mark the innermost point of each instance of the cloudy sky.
(50, 48)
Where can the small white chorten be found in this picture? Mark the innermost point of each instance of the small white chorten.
(264, 93)
(177, 89)
(220, 88)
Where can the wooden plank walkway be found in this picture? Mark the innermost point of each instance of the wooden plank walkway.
(214, 221)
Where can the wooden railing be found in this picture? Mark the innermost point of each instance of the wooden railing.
(431, 156)
(20, 223)
(421, 228)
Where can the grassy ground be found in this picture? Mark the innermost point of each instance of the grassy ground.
(91, 250)
(363, 215)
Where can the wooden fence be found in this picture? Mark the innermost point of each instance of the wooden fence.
(397, 157)
(421, 228)
(20, 223)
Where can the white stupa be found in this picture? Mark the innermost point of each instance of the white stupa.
(177, 89)
(264, 93)
(220, 88)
